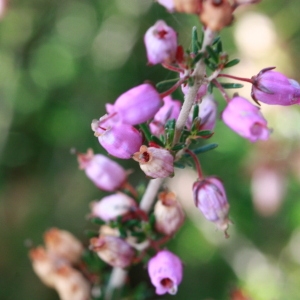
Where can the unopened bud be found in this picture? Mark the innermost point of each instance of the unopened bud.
(155, 162)
(168, 214)
(188, 6)
(113, 250)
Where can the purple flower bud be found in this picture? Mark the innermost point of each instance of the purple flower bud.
(161, 43)
(113, 250)
(106, 174)
(272, 87)
(245, 119)
(136, 106)
(110, 207)
(155, 162)
(210, 197)
(207, 114)
(201, 92)
(165, 271)
(168, 213)
(168, 4)
(170, 110)
(118, 139)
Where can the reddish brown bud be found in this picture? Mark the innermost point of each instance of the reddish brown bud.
(188, 6)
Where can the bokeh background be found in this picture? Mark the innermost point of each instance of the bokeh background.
(61, 61)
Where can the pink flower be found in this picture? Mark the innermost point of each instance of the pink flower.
(113, 250)
(245, 119)
(207, 114)
(110, 207)
(210, 198)
(161, 43)
(118, 139)
(136, 106)
(155, 162)
(272, 87)
(106, 174)
(165, 271)
(170, 110)
(168, 4)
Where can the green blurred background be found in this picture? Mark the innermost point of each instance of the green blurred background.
(61, 61)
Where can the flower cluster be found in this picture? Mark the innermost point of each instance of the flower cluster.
(160, 133)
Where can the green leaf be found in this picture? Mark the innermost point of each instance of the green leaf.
(194, 40)
(216, 40)
(157, 141)
(231, 85)
(91, 233)
(219, 47)
(232, 63)
(210, 88)
(165, 85)
(212, 53)
(179, 165)
(210, 65)
(195, 112)
(146, 130)
(97, 221)
(205, 148)
(178, 147)
(197, 57)
(204, 132)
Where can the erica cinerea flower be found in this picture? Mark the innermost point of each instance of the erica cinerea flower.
(155, 162)
(168, 213)
(165, 271)
(137, 105)
(168, 4)
(113, 250)
(210, 198)
(170, 110)
(161, 43)
(112, 206)
(245, 119)
(272, 87)
(106, 174)
(118, 139)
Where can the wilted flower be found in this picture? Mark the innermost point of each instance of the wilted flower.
(106, 174)
(161, 43)
(272, 87)
(137, 105)
(165, 271)
(118, 139)
(210, 197)
(112, 206)
(245, 119)
(155, 162)
(113, 250)
(168, 213)
(63, 244)
(170, 110)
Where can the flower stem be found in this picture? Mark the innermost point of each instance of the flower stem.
(236, 77)
(221, 89)
(189, 99)
(197, 163)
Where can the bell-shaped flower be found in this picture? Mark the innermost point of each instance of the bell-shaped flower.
(165, 271)
(63, 244)
(106, 174)
(168, 213)
(210, 198)
(155, 162)
(137, 105)
(168, 4)
(113, 250)
(170, 110)
(112, 206)
(245, 119)
(161, 43)
(272, 87)
(118, 139)
(208, 109)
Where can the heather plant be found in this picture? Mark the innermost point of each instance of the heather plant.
(148, 126)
